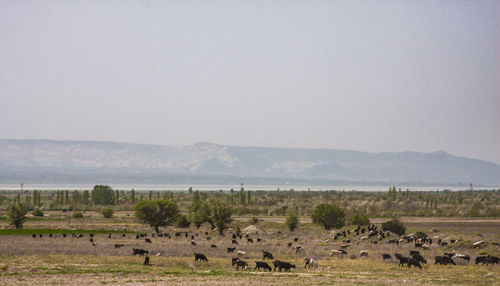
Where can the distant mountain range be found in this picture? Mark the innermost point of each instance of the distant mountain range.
(48, 161)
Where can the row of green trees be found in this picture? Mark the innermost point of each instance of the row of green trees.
(217, 213)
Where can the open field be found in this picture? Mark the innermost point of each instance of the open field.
(73, 261)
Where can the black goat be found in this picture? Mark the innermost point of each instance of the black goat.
(200, 256)
(262, 264)
(267, 254)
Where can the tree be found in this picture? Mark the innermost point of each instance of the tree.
(220, 214)
(201, 213)
(103, 195)
(360, 220)
(157, 213)
(17, 215)
(182, 221)
(394, 226)
(292, 221)
(86, 198)
(329, 216)
(132, 196)
(117, 197)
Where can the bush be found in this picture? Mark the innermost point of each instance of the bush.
(329, 216)
(38, 212)
(107, 212)
(77, 215)
(254, 220)
(292, 221)
(394, 226)
(182, 222)
(360, 220)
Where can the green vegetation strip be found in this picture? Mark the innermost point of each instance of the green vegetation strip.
(30, 231)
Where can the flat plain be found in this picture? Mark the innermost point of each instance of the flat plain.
(53, 260)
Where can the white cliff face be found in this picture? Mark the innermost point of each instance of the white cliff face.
(210, 159)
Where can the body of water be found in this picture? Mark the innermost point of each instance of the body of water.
(226, 187)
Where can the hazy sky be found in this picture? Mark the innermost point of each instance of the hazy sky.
(370, 75)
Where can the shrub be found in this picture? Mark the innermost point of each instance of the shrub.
(329, 216)
(182, 222)
(77, 215)
(360, 220)
(394, 226)
(254, 220)
(107, 212)
(38, 212)
(292, 221)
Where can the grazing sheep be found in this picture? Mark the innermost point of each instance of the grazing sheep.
(230, 249)
(241, 253)
(148, 240)
(285, 265)
(363, 253)
(267, 254)
(414, 262)
(443, 260)
(402, 259)
(234, 242)
(311, 262)
(213, 246)
(299, 250)
(240, 263)
(339, 252)
(193, 243)
(200, 256)
(419, 258)
(139, 251)
(262, 264)
(462, 256)
(480, 243)
(386, 256)
(450, 255)
(119, 245)
(146, 261)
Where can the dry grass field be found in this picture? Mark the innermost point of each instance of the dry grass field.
(75, 261)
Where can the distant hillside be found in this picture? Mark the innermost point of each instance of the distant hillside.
(47, 161)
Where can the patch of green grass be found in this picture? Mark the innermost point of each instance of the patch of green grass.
(29, 231)
(44, 219)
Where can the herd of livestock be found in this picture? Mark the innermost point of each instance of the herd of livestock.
(415, 257)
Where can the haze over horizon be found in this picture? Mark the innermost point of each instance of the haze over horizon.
(366, 76)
